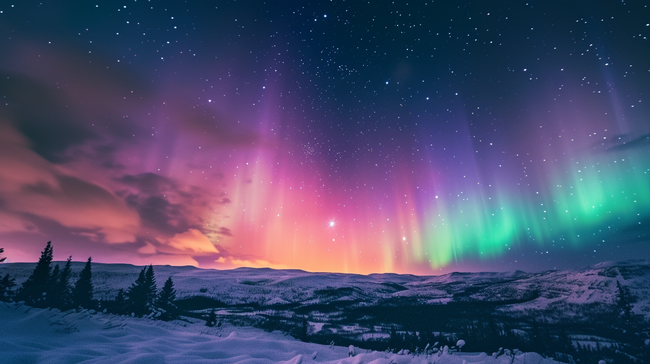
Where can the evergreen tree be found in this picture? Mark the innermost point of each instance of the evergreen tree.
(63, 287)
(34, 288)
(6, 284)
(2, 259)
(166, 300)
(51, 296)
(82, 295)
(150, 288)
(119, 305)
(136, 302)
(54, 277)
(394, 341)
(304, 329)
(212, 319)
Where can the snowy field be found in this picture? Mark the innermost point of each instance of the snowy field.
(559, 291)
(31, 335)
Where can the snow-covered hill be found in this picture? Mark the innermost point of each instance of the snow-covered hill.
(561, 291)
(31, 335)
(577, 306)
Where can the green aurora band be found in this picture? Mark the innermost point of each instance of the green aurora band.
(575, 200)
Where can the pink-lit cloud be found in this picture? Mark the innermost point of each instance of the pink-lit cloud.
(32, 185)
(84, 161)
(193, 242)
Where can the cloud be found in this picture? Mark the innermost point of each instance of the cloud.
(78, 157)
(20, 165)
(165, 207)
(77, 203)
(149, 183)
(29, 184)
(224, 231)
(232, 262)
(59, 99)
(158, 213)
(159, 259)
(41, 116)
(148, 249)
(10, 223)
(193, 241)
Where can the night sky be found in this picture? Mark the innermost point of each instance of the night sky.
(421, 137)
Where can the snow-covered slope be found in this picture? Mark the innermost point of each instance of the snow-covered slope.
(515, 291)
(44, 336)
(350, 307)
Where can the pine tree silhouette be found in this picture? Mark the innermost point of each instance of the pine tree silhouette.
(166, 300)
(82, 295)
(304, 329)
(64, 291)
(52, 295)
(2, 259)
(33, 290)
(6, 284)
(142, 293)
(137, 297)
(119, 305)
(212, 319)
(150, 288)
(394, 338)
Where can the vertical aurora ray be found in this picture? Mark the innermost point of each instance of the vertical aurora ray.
(416, 217)
(403, 225)
(578, 199)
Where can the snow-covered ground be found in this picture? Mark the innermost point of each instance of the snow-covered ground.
(30, 335)
(561, 291)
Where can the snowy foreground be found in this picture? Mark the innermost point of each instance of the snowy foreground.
(31, 335)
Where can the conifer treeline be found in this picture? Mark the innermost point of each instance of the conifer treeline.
(51, 287)
(6, 284)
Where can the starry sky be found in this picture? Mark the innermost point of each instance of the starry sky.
(347, 136)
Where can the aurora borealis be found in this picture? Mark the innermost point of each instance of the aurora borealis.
(343, 136)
